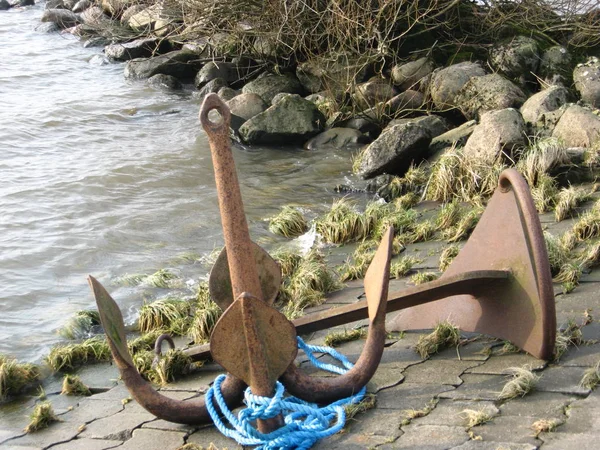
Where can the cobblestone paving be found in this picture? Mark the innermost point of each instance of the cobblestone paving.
(441, 387)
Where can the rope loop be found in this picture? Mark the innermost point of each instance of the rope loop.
(305, 423)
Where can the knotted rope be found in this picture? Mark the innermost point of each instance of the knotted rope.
(305, 423)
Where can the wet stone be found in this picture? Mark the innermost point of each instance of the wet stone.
(429, 437)
(477, 387)
(153, 440)
(449, 412)
(119, 392)
(498, 364)
(89, 410)
(562, 379)
(57, 432)
(118, 427)
(439, 372)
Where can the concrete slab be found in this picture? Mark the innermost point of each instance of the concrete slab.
(56, 433)
(117, 427)
(569, 441)
(482, 445)
(562, 379)
(428, 437)
(518, 429)
(477, 387)
(89, 410)
(87, 444)
(409, 396)
(499, 364)
(450, 412)
(210, 435)
(547, 405)
(154, 440)
(439, 372)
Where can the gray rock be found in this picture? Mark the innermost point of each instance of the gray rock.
(94, 16)
(23, 3)
(226, 93)
(407, 76)
(54, 4)
(556, 66)
(498, 132)
(269, 85)
(446, 83)
(517, 58)
(81, 6)
(577, 127)
(130, 11)
(394, 150)
(246, 106)
(488, 93)
(4, 5)
(411, 100)
(63, 18)
(374, 91)
(181, 64)
(116, 7)
(227, 71)
(212, 86)
(161, 80)
(163, 26)
(140, 48)
(146, 18)
(535, 109)
(292, 120)
(280, 97)
(335, 138)
(435, 124)
(47, 27)
(331, 72)
(587, 81)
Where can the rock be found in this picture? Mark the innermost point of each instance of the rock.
(587, 81)
(146, 18)
(335, 138)
(394, 150)
(212, 86)
(280, 97)
(436, 125)
(269, 85)
(292, 120)
(363, 125)
(517, 58)
(47, 27)
(161, 80)
(411, 100)
(139, 48)
(131, 11)
(114, 8)
(93, 16)
(81, 6)
(455, 137)
(23, 3)
(96, 41)
(556, 66)
(498, 132)
(226, 93)
(63, 18)
(227, 71)
(332, 72)
(578, 127)
(487, 93)
(534, 110)
(54, 4)
(163, 26)
(376, 90)
(181, 64)
(4, 5)
(408, 76)
(446, 83)
(244, 107)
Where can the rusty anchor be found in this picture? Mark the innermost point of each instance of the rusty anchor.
(499, 284)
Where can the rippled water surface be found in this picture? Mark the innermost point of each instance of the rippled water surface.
(108, 177)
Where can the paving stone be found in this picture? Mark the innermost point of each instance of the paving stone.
(498, 364)
(439, 372)
(482, 445)
(547, 405)
(386, 376)
(501, 427)
(409, 396)
(87, 444)
(56, 433)
(591, 331)
(119, 392)
(116, 427)
(20, 447)
(428, 437)
(450, 412)
(473, 351)
(61, 404)
(581, 418)
(159, 424)
(582, 356)
(153, 440)
(89, 410)
(477, 387)
(99, 377)
(384, 424)
(568, 441)
(210, 435)
(562, 379)
(6, 434)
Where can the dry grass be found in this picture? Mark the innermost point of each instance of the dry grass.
(567, 200)
(590, 257)
(205, 316)
(67, 357)
(465, 226)
(545, 193)
(15, 376)
(80, 325)
(165, 314)
(410, 414)
(591, 377)
(569, 336)
(171, 366)
(588, 225)
(289, 222)
(288, 261)
(540, 159)
(72, 385)
(423, 277)
(403, 266)
(41, 417)
(474, 417)
(335, 339)
(545, 426)
(558, 255)
(523, 381)
(342, 224)
(443, 336)
(447, 256)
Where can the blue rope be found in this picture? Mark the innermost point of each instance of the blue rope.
(305, 423)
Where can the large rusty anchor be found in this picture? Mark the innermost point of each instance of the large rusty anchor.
(499, 285)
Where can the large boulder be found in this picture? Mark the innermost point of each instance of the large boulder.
(407, 76)
(81, 6)
(146, 18)
(4, 5)
(374, 91)
(212, 87)
(163, 81)
(556, 66)
(130, 11)
(336, 138)
(331, 72)
(408, 100)
(517, 58)
(395, 150)
(537, 107)
(498, 132)
(246, 106)
(139, 48)
(455, 137)
(181, 64)
(94, 16)
(578, 127)
(63, 18)
(115, 7)
(436, 125)
(587, 81)
(446, 83)
(292, 120)
(487, 93)
(269, 85)
(231, 72)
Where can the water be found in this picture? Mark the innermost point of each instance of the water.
(108, 177)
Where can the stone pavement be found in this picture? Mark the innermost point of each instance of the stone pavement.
(420, 403)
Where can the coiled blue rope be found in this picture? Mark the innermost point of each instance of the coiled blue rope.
(305, 423)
